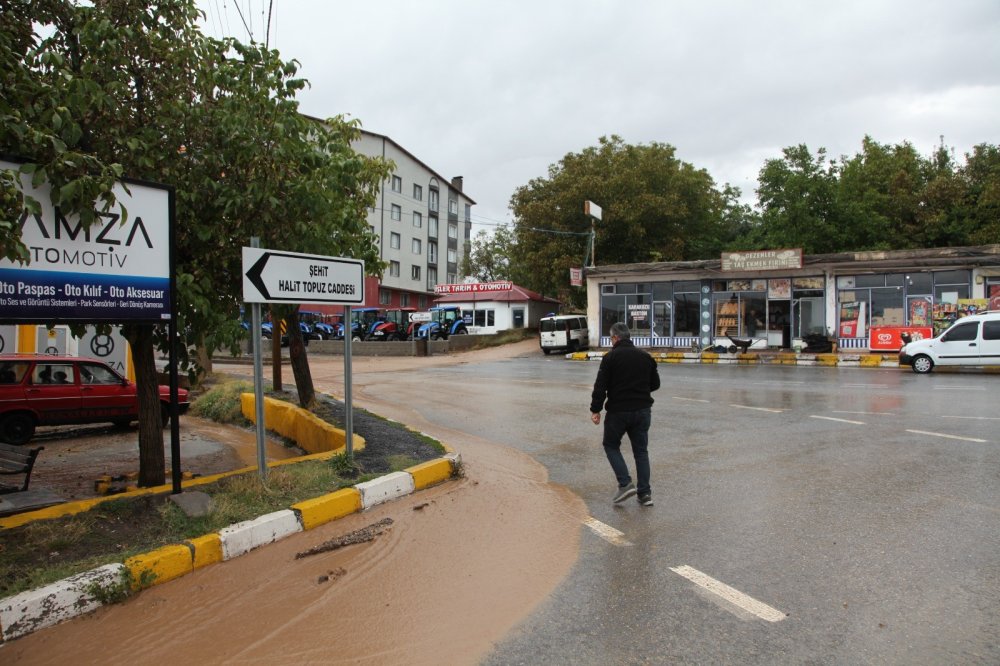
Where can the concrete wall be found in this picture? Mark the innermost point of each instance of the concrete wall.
(407, 348)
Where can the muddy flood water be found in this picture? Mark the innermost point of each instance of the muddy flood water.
(460, 565)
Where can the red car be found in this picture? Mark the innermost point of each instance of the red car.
(37, 389)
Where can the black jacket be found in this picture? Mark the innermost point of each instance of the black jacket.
(626, 377)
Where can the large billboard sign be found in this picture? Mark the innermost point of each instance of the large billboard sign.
(116, 270)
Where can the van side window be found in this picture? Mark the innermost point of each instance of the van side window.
(991, 330)
(962, 332)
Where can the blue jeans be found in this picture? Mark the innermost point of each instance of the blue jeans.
(636, 424)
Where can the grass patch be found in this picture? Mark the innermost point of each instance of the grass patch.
(42, 552)
(221, 403)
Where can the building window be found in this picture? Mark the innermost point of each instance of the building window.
(452, 256)
(418, 219)
(453, 231)
(453, 206)
(468, 212)
(415, 272)
(404, 300)
(384, 297)
(432, 277)
(418, 193)
(432, 227)
(397, 212)
(484, 318)
(394, 240)
(422, 302)
(415, 246)
(432, 253)
(393, 269)
(432, 200)
(451, 278)
(397, 184)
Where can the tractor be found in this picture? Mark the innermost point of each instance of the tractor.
(394, 326)
(446, 320)
(363, 321)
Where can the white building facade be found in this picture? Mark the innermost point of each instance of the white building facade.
(424, 225)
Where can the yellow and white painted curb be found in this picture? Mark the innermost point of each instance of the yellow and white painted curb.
(77, 595)
(832, 360)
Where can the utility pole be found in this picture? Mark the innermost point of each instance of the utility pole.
(593, 211)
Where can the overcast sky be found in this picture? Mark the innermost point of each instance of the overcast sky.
(499, 91)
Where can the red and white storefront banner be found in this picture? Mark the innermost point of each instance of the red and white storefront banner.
(473, 288)
(889, 338)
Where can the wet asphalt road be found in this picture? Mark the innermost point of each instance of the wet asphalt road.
(854, 514)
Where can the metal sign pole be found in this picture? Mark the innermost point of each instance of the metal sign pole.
(258, 382)
(348, 403)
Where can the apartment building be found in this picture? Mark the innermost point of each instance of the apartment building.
(423, 222)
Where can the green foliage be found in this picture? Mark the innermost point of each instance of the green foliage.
(489, 258)
(884, 197)
(655, 208)
(131, 87)
(221, 403)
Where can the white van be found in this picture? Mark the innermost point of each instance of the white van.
(970, 341)
(563, 332)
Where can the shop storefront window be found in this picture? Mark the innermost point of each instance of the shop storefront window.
(612, 310)
(686, 313)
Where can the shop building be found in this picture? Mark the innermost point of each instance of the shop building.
(489, 307)
(858, 300)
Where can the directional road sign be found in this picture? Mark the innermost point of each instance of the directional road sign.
(274, 276)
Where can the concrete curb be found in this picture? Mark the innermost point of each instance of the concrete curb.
(838, 360)
(23, 613)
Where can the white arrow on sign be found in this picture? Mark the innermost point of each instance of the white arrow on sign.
(273, 276)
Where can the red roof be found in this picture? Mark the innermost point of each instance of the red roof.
(515, 294)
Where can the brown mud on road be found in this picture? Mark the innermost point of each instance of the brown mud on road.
(461, 564)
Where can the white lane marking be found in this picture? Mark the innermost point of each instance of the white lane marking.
(881, 386)
(959, 388)
(975, 418)
(941, 434)
(743, 601)
(677, 397)
(830, 418)
(607, 532)
(839, 411)
(759, 409)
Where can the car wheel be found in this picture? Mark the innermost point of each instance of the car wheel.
(164, 414)
(922, 364)
(122, 423)
(17, 429)
(546, 351)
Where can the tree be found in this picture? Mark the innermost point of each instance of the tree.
(128, 87)
(655, 208)
(489, 258)
(799, 204)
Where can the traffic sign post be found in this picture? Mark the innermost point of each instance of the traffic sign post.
(275, 276)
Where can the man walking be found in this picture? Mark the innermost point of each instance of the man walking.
(627, 377)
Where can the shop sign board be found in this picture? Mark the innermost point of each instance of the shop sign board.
(638, 312)
(115, 270)
(473, 287)
(889, 338)
(762, 260)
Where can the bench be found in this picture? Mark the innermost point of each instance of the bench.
(17, 460)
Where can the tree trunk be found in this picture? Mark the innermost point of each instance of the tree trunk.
(275, 351)
(300, 364)
(152, 470)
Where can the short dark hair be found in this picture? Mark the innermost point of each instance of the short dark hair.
(620, 331)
